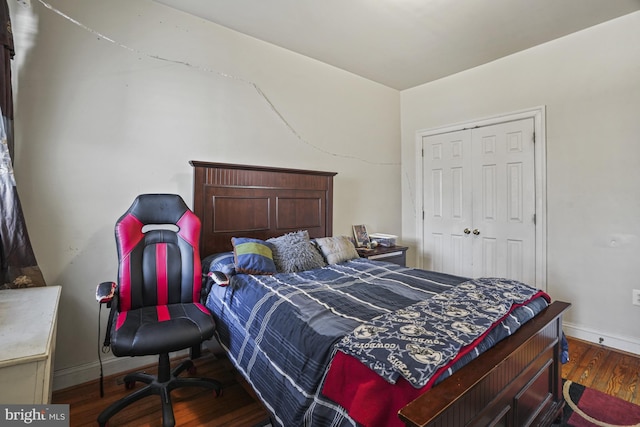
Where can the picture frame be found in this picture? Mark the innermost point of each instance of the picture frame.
(361, 236)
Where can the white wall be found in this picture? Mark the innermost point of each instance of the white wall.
(590, 85)
(98, 123)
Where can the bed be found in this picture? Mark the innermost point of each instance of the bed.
(304, 379)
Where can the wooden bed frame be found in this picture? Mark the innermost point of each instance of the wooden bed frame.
(517, 383)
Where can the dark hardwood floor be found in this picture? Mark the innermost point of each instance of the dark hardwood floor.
(237, 406)
(601, 368)
(610, 371)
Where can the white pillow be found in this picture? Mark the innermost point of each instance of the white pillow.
(337, 249)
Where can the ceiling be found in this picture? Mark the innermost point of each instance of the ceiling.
(405, 43)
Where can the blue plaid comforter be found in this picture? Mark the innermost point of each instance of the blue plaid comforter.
(280, 331)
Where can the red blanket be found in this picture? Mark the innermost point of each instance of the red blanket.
(367, 397)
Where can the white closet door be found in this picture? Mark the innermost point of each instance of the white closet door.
(479, 201)
(447, 184)
(504, 201)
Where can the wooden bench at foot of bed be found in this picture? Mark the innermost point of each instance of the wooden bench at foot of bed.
(517, 383)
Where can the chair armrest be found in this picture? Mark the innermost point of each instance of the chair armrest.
(219, 277)
(208, 280)
(105, 292)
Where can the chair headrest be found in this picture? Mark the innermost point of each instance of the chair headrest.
(158, 208)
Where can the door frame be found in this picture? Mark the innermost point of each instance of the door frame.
(540, 171)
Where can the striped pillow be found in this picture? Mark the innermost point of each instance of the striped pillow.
(253, 256)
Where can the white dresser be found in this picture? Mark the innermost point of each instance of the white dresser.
(28, 320)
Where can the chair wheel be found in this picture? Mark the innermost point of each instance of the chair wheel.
(129, 385)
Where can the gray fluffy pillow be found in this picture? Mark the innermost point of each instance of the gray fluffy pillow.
(294, 252)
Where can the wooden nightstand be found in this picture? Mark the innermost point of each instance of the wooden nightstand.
(394, 254)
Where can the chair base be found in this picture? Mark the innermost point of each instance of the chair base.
(161, 385)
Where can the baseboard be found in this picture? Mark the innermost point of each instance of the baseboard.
(626, 344)
(64, 378)
(111, 365)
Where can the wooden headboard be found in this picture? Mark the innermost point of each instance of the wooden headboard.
(261, 202)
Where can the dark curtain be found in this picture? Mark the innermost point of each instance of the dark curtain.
(17, 261)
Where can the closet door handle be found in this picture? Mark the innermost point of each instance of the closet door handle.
(467, 231)
(476, 231)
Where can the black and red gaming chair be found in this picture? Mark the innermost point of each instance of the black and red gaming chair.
(155, 306)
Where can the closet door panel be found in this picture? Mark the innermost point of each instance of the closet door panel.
(447, 198)
(504, 200)
(479, 201)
